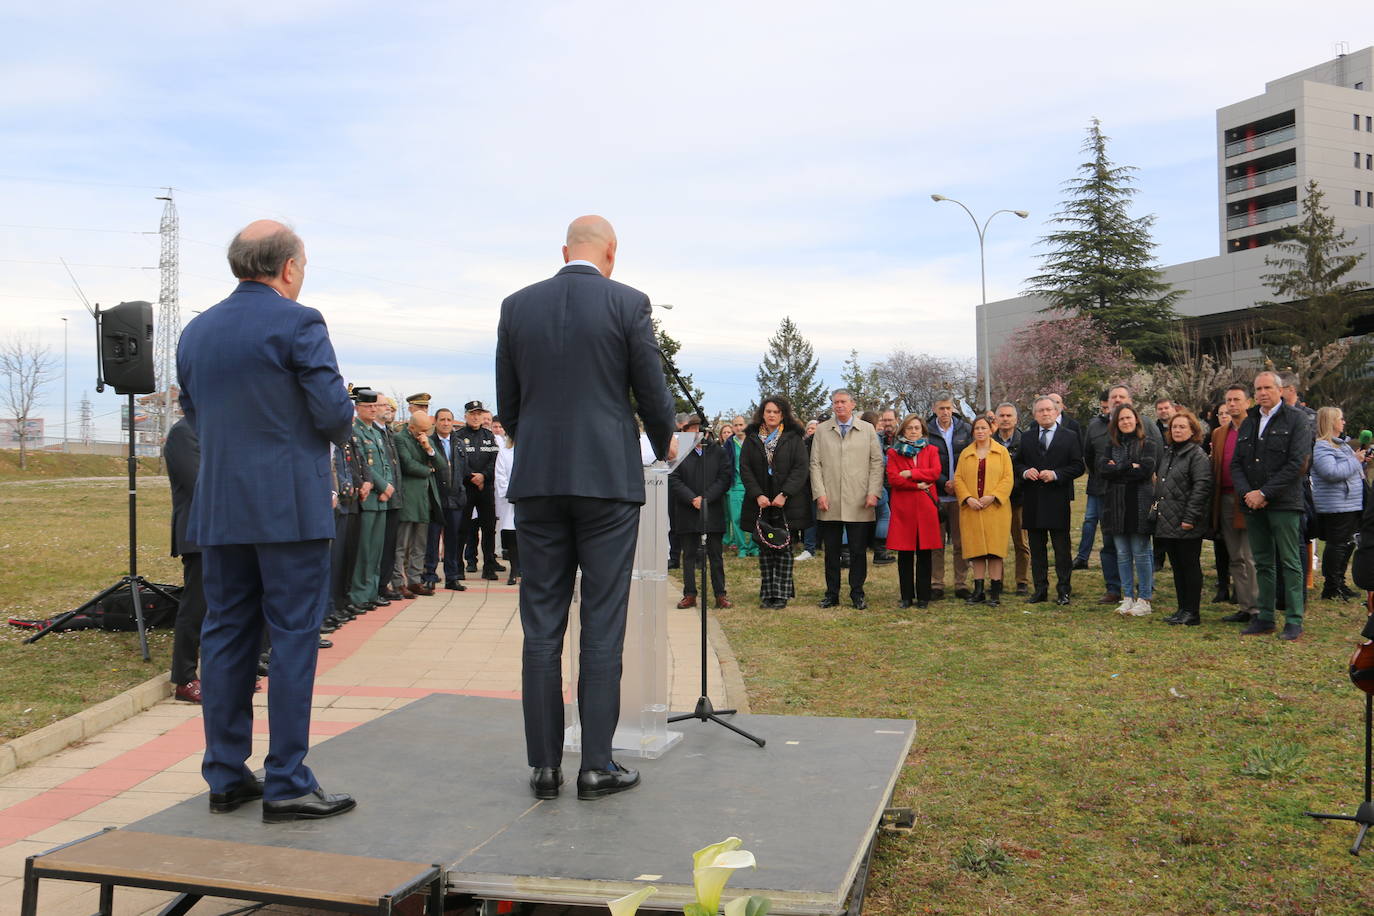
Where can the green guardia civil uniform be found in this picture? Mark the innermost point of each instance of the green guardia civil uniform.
(734, 498)
(372, 533)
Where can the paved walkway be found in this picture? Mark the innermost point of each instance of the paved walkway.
(454, 642)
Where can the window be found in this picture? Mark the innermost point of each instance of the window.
(1369, 198)
(1357, 198)
(1357, 160)
(1369, 123)
(1357, 121)
(1369, 161)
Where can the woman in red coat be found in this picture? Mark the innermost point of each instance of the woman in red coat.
(913, 467)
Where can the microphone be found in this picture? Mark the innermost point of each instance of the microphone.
(1366, 438)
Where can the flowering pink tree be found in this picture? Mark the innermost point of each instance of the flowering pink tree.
(1067, 354)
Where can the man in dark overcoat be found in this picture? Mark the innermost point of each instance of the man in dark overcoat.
(1050, 459)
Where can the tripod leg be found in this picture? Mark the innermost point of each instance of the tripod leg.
(137, 597)
(739, 731)
(63, 618)
(1359, 840)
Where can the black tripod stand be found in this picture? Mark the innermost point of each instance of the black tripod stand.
(1364, 816)
(127, 343)
(704, 711)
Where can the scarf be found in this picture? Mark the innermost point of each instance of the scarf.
(908, 449)
(770, 445)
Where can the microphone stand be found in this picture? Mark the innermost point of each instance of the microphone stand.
(704, 711)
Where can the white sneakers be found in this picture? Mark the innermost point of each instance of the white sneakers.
(804, 555)
(1134, 607)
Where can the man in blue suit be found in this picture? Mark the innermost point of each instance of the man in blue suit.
(262, 514)
(569, 351)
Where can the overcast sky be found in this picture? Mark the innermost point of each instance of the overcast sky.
(758, 159)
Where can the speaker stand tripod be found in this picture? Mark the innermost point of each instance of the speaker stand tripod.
(1364, 815)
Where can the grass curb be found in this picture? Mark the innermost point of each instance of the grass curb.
(84, 725)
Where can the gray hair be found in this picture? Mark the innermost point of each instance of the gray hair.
(841, 391)
(1278, 379)
(942, 397)
(1288, 380)
(1043, 397)
(1011, 405)
(250, 259)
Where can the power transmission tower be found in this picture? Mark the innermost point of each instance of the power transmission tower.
(85, 429)
(168, 311)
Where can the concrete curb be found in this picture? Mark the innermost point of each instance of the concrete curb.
(84, 725)
(735, 693)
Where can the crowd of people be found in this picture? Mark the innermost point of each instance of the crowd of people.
(410, 499)
(1262, 477)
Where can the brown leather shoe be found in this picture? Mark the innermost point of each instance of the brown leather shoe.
(723, 602)
(407, 594)
(1109, 598)
(189, 692)
(422, 590)
(688, 601)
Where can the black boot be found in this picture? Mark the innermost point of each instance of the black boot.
(977, 596)
(995, 593)
(1185, 618)
(1331, 591)
(1223, 594)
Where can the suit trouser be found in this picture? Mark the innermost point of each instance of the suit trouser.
(387, 573)
(1276, 540)
(448, 531)
(833, 535)
(190, 619)
(1040, 559)
(410, 551)
(484, 500)
(715, 553)
(343, 556)
(949, 517)
(1242, 565)
(249, 588)
(371, 534)
(557, 535)
(913, 574)
(1021, 546)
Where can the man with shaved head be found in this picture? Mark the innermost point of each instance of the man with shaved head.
(569, 352)
(262, 515)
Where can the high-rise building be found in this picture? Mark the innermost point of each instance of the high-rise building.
(1317, 124)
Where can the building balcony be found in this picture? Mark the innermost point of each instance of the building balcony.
(1261, 141)
(1262, 215)
(1260, 179)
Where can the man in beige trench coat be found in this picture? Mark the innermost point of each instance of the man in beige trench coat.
(846, 482)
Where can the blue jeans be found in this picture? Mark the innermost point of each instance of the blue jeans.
(1108, 556)
(811, 536)
(1135, 550)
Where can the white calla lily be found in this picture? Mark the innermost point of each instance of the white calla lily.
(629, 904)
(708, 854)
(709, 878)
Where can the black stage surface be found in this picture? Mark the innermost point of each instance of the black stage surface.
(443, 780)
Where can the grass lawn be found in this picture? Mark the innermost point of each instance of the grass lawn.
(1068, 760)
(61, 542)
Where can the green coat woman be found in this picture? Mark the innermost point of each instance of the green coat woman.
(421, 470)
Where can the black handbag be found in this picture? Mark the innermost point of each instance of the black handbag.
(773, 534)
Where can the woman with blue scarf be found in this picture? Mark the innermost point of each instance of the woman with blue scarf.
(776, 471)
(913, 531)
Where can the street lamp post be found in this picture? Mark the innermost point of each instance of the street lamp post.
(64, 384)
(983, 275)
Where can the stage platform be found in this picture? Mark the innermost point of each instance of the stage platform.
(443, 780)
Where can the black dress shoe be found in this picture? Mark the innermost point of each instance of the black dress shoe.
(1062, 600)
(454, 585)
(490, 573)
(937, 594)
(310, 807)
(325, 643)
(512, 580)
(1022, 589)
(596, 783)
(328, 627)
(922, 605)
(1291, 631)
(472, 567)
(1258, 627)
(904, 603)
(392, 595)
(1237, 617)
(497, 566)
(962, 593)
(1080, 563)
(1185, 619)
(1037, 598)
(246, 791)
(381, 602)
(860, 604)
(828, 601)
(545, 781)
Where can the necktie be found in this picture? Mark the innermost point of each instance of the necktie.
(1044, 439)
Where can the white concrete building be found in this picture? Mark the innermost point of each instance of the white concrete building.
(1316, 124)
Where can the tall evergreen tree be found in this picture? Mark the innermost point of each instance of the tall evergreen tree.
(670, 348)
(1101, 263)
(789, 369)
(864, 384)
(1317, 305)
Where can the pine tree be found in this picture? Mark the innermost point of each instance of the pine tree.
(789, 369)
(670, 348)
(1318, 306)
(1101, 263)
(864, 384)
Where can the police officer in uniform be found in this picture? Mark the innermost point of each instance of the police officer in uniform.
(351, 484)
(372, 518)
(479, 448)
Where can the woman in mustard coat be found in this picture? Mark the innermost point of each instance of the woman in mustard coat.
(982, 482)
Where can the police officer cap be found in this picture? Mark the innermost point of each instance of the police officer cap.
(470, 406)
(419, 400)
(364, 395)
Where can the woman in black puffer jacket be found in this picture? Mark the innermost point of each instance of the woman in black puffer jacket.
(1127, 467)
(1184, 496)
